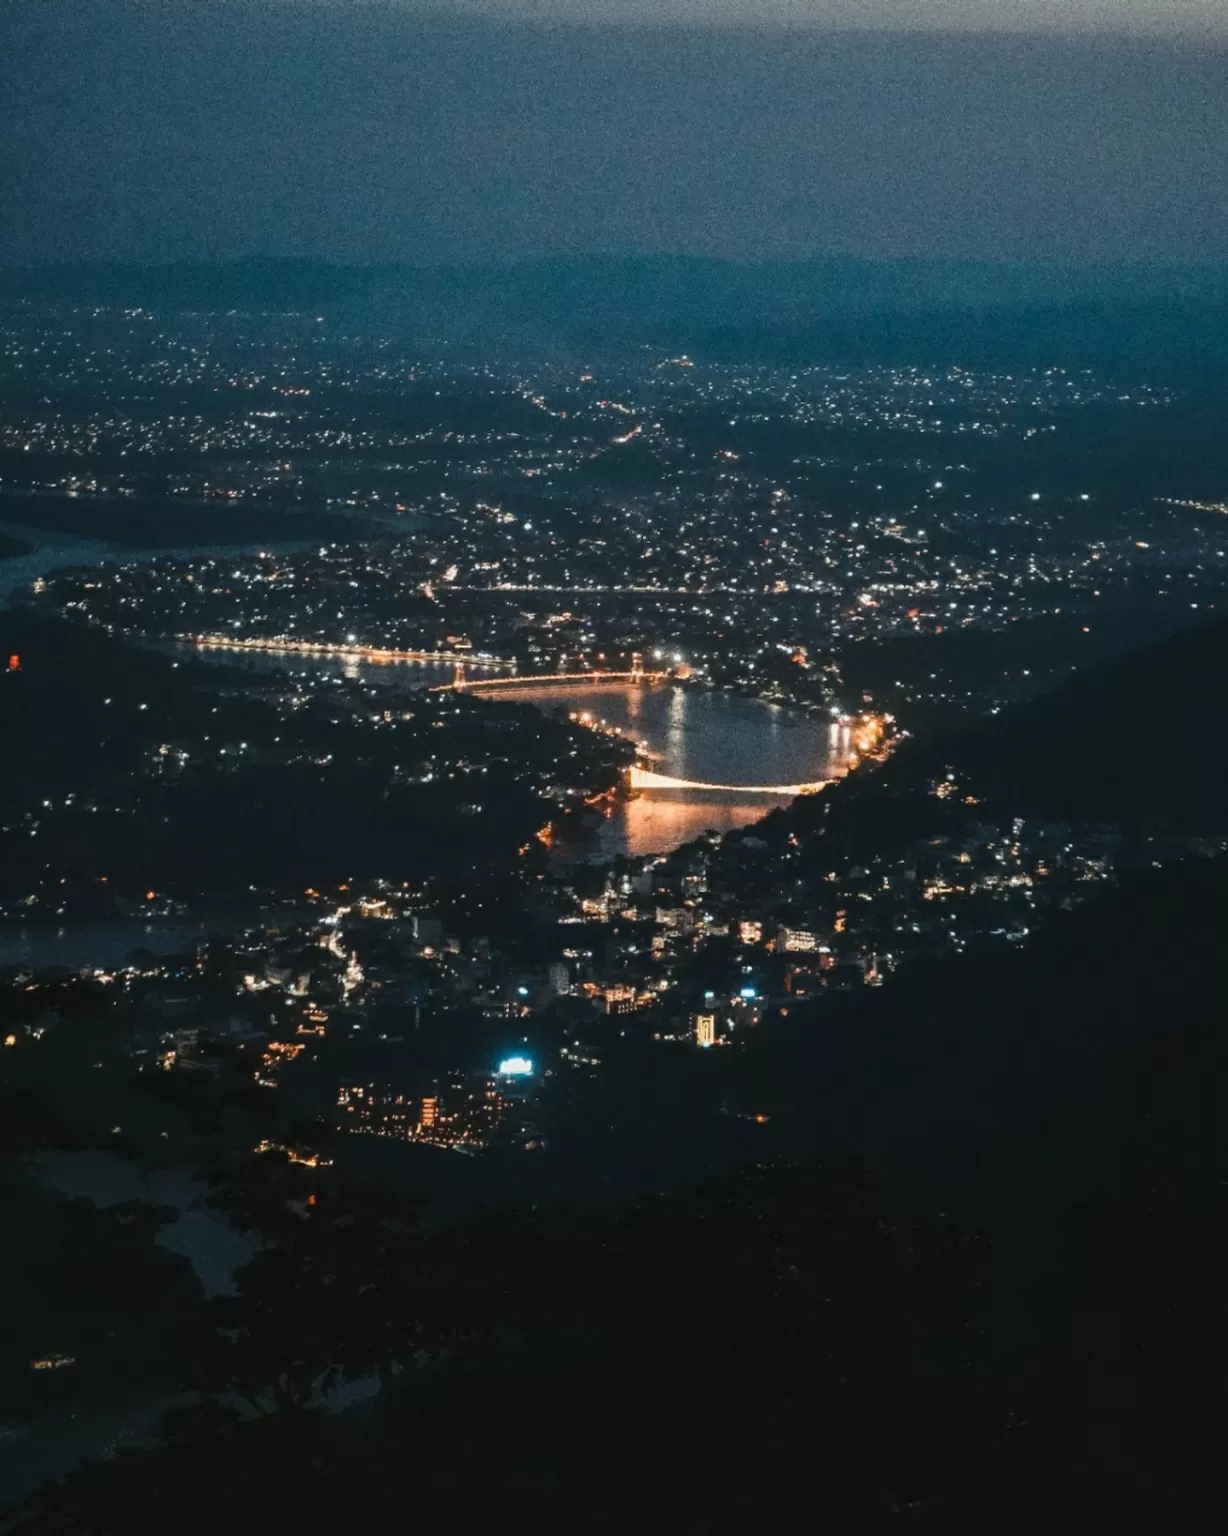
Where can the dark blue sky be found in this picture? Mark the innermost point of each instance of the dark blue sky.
(190, 129)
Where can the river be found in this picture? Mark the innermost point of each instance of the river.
(107, 945)
(49, 550)
(708, 737)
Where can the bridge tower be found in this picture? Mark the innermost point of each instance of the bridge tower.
(637, 667)
(458, 680)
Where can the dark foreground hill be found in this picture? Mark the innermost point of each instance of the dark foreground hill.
(1014, 1321)
(1071, 1102)
(1141, 740)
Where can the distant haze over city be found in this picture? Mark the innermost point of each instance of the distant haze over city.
(398, 133)
(1104, 16)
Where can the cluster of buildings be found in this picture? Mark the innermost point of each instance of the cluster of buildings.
(455, 1021)
(755, 522)
(461, 1110)
(761, 594)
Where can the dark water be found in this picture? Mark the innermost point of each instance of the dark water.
(275, 532)
(101, 945)
(55, 552)
(106, 946)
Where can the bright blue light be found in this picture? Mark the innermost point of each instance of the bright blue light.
(524, 991)
(748, 992)
(516, 1066)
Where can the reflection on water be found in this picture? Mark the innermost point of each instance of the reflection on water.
(714, 738)
(666, 818)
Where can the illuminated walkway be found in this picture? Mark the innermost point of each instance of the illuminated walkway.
(645, 778)
(358, 652)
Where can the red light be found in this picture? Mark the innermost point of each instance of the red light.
(14, 662)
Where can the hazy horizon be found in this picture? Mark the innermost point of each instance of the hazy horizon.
(383, 132)
(1180, 18)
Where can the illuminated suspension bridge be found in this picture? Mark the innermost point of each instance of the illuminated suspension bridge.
(533, 681)
(646, 778)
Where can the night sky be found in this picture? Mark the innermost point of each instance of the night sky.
(154, 130)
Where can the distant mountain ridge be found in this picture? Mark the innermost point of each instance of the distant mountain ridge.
(906, 310)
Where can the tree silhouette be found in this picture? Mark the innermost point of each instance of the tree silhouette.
(766, 1350)
(337, 1291)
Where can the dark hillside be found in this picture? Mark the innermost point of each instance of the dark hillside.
(1141, 739)
(1071, 1101)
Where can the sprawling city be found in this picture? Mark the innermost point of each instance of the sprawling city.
(611, 872)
